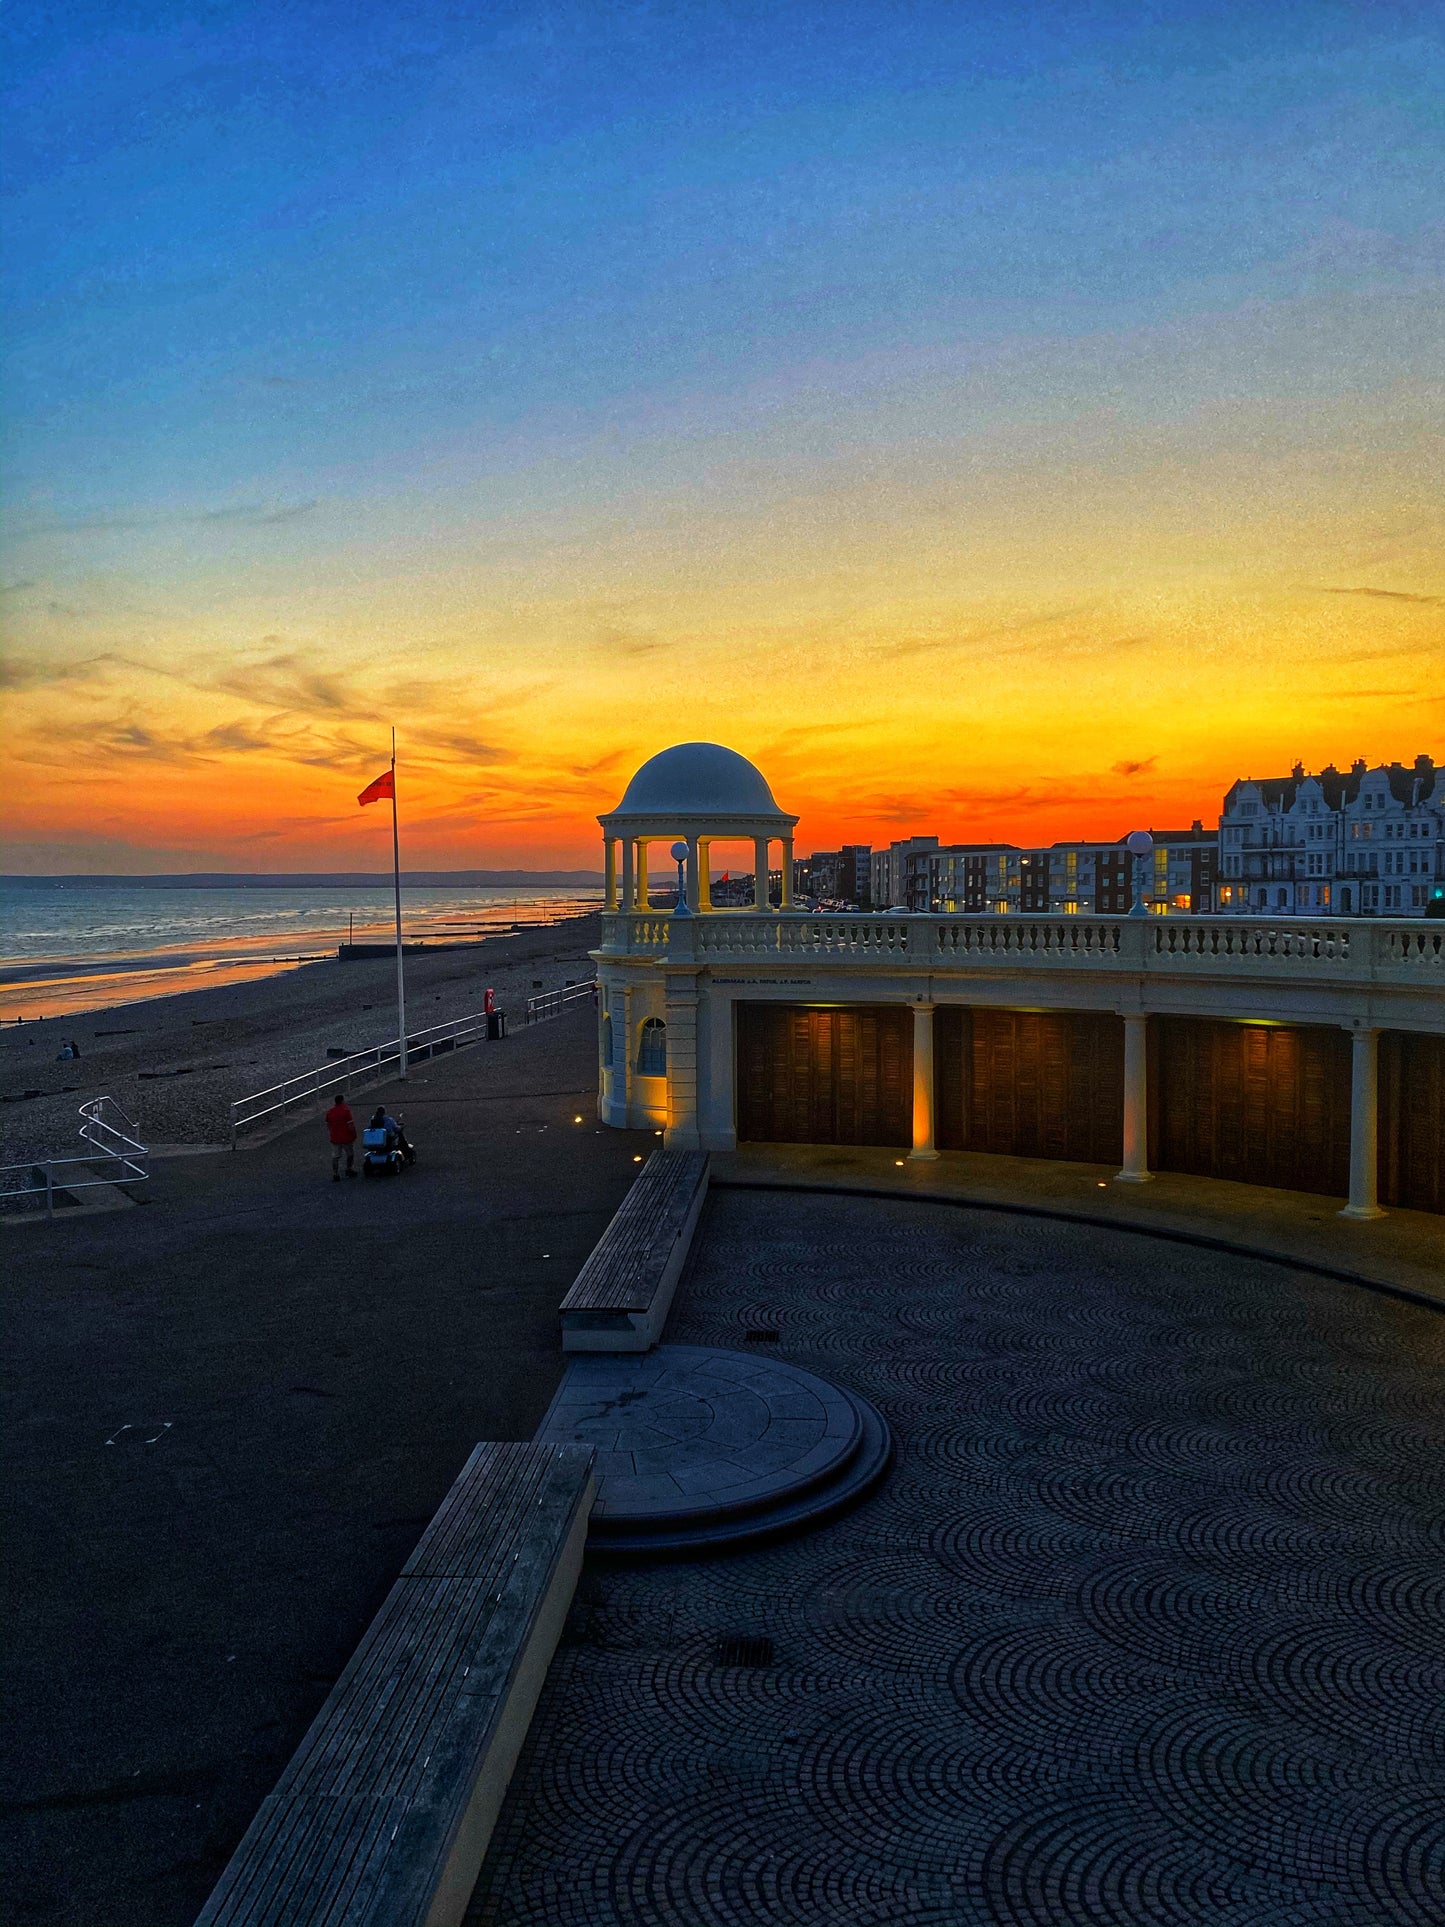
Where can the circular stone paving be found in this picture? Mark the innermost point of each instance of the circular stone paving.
(1142, 1628)
(687, 1431)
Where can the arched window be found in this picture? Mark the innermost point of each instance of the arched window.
(652, 1051)
(607, 1057)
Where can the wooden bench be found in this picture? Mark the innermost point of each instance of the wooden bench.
(383, 1816)
(620, 1299)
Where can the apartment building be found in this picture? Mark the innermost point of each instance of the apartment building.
(837, 876)
(895, 871)
(1360, 843)
(1069, 878)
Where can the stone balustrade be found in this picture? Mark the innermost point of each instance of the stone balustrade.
(1407, 954)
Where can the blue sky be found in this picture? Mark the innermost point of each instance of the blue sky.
(618, 334)
(252, 245)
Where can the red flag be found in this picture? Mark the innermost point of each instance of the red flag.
(383, 786)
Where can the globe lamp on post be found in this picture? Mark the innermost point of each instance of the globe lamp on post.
(1140, 846)
(679, 855)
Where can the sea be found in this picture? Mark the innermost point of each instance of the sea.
(66, 948)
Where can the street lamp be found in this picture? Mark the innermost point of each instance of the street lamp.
(1140, 846)
(678, 853)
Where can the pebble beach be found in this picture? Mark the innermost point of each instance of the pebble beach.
(176, 1064)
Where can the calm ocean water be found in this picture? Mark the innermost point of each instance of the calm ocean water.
(72, 947)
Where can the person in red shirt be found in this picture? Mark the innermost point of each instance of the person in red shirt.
(341, 1129)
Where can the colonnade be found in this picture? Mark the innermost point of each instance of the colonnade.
(626, 884)
(1364, 1107)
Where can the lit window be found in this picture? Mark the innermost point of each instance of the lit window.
(652, 1050)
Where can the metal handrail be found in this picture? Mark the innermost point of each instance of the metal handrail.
(357, 1067)
(113, 1136)
(552, 1003)
(365, 1066)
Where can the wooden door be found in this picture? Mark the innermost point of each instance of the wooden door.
(838, 1076)
(1261, 1104)
(1412, 1120)
(1024, 1083)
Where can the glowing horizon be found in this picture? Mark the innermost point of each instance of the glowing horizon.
(1010, 429)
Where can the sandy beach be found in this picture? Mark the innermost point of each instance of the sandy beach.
(175, 1064)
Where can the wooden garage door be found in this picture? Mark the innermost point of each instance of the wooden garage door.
(1261, 1104)
(1034, 1084)
(825, 1076)
(1412, 1120)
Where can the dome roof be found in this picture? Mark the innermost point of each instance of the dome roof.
(698, 779)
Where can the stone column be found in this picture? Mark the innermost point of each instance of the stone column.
(606, 1058)
(923, 1147)
(787, 902)
(1136, 1102)
(627, 1073)
(609, 866)
(1364, 1122)
(682, 1094)
(692, 868)
(641, 883)
(704, 874)
(627, 902)
(760, 873)
(715, 1053)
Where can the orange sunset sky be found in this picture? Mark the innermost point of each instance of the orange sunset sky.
(997, 438)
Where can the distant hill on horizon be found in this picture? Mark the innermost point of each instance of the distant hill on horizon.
(331, 880)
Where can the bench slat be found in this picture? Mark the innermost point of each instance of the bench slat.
(623, 1271)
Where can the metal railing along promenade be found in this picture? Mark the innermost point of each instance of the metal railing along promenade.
(553, 1002)
(116, 1151)
(361, 1067)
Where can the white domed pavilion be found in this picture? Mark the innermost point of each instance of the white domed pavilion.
(694, 793)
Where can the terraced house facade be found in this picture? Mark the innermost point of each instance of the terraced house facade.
(1362, 843)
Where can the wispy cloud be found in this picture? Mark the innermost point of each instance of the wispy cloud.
(1134, 769)
(1017, 799)
(33, 672)
(806, 732)
(1388, 595)
(600, 766)
(627, 642)
(1029, 635)
(456, 744)
(1359, 695)
(284, 682)
(241, 514)
(238, 737)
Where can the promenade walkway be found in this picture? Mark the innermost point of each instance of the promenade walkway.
(228, 1414)
(1404, 1249)
(1142, 1627)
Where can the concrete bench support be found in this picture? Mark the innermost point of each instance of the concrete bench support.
(383, 1816)
(621, 1297)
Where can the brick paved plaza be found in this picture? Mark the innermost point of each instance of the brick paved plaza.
(1143, 1626)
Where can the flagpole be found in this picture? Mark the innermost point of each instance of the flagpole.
(396, 880)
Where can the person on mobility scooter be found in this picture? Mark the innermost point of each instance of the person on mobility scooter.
(385, 1146)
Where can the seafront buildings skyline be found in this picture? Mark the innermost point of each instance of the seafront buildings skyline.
(1360, 842)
